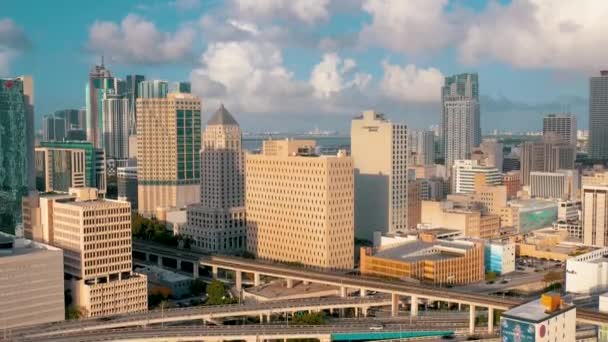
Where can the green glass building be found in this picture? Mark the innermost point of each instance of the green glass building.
(16, 148)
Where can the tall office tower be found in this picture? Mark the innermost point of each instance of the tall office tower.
(100, 80)
(598, 116)
(422, 147)
(595, 215)
(16, 147)
(465, 171)
(217, 224)
(31, 285)
(71, 117)
(300, 205)
(53, 128)
(149, 89)
(546, 156)
(95, 235)
(379, 150)
(461, 130)
(180, 87)
(115, 126)
(561, 184)
(63, 165)
(132, 93)
(562, 125)
(127, 184)
(489, 153)
(414, 202)
(168, 152)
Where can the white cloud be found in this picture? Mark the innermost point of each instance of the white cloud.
(252, 75)
(327, 77)
(13, 41)
(410, 83)
(137, 40)
(538, 34)
(308, 11)
(410, 26)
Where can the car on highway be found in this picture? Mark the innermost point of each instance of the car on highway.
(376, 327)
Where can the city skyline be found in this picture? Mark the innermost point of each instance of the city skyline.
(328, 61)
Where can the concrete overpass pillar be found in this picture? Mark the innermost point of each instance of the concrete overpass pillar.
(414, 306)
(239, 280)
(195, 271)
(256, 279)
(289, 283)
(363, 292)
(459, 306)
(261, 318)
(160, 261)
(343, 292)
(394, 304)
(305, 282)
(365, 310)
(490, 320)
(471, 319)
(214, 271)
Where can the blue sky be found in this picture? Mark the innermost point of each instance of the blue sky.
(297, 64)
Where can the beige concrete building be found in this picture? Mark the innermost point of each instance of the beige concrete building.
(472, 223)
(95, 236)
(217, 224)
(380, 153)
(31, 283)
(512, 182)
(595, 215)
(299, 205)
(168, 152)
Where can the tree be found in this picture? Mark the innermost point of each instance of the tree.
(315, 318)
(216, 293)
(75, 312)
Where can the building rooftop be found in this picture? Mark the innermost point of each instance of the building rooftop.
(222, 117)
(420, 250)
(12, 246)
(160, 274)
(532, 204)
(535, 311)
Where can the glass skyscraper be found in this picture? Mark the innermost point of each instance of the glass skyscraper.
(598, 116)
(16, 148)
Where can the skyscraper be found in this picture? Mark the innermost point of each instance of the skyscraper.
(598, 116)
(168, 152)
(149, 89)
(461, 130)
(180, 87)
(548, 155)
(300, 205)
(217, 224)
(422, 147)
(53, 128)
(115, 126)
(64, 165)
(132, 93)
(379, 150)
(562, 125)
(100, 79)
(71, 117)
(16, 147)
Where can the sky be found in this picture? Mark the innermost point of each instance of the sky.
(295, 65)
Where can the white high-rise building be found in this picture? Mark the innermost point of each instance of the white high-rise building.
(464, 172)
(379, 151)
(563, 125)
(218, 224)
(422, 147)
(115, 126)
(595, 215)
(461, 117)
